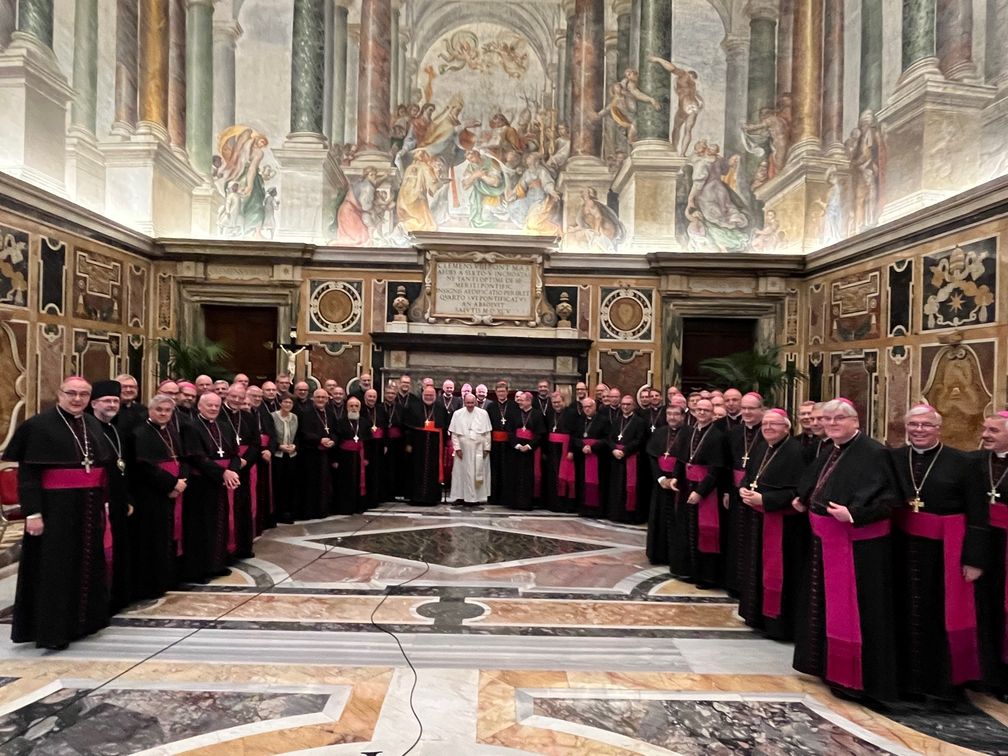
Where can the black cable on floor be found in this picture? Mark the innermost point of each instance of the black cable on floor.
(205, 624)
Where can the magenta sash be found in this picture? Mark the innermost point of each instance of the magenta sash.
(378, 433)
(356, 446)
(253, 485)
(524, 434)
(737, 476)
(708, 518)
(232, 543)
(59, 478)
(448, 461)
(565, 472)
(591, 475)
(631, 480)
(773, 561)
(960, 609)
(107, 544)
(667, 464)
(171, 466)
(264, 440)
(394, 432)
(843, 616)
(999, 519)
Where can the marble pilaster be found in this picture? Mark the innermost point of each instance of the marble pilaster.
(587, 77)
(394, 52)
(126, 68)
(8, 21)
(177, 76)
(761, 85)
(226, 32)
(561, 94)
(35, 17)
(199, 83)
(85, 166)
(833, 76)
(806, 78)
(308, 178)
(152, 83)
(785, 40)
(870, 97)
(736, 49)
(621, 9)
(307, 71)
(337, 49)
(919, 54)
(656, 40)
(405, 95)
(34, 96)
(954, 39)
(648, 183)
(996, 50)
(568, 82)
(374, 78)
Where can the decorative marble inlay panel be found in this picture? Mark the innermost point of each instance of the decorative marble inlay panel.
(629, 369)
(958, 383)
(960, 286)
(815, 376)
(12, 377)
(13, 266)
(98, 285)
(335, 306)
(626, 314)
(899, 370)
(461, 546)
(900, 297)
(336, 359)
(791, 318)
(96, 354)
(52, 282)
(137, 297)
(166, 296)
(51, 365)
(817, 313)
(855, 376)
(855, 306)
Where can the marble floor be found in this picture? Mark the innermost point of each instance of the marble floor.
(448, 632)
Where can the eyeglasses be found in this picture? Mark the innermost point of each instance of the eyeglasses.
(921, 426)
(837, 418)
(75, 394)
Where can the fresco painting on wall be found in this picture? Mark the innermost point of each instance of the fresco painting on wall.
(514, 119)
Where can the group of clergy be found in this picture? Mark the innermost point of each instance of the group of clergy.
(885, 566)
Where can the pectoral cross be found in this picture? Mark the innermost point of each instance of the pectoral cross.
(994, 495)
(619, 436)
(652, 429)
(666, 454)
(87, 462)
(752, 486)
(916, 504)
(355, 439)
(374, 428)
(238, 439)
(745, 459)
(220, 453)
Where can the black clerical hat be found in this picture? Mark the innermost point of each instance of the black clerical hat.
(101, 389)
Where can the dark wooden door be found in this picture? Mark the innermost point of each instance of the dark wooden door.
(704, 338)
(243, 331)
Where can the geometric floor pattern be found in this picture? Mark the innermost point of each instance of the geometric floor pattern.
(525, 633)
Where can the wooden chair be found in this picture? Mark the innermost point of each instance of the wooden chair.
(10, 506)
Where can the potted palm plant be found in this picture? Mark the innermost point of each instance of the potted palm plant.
(757, 370)
(194, 358)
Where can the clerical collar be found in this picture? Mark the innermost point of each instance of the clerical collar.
(735, 417)
(847, 443)
(206, 419)
(1001, 455)
(69, 414)
(925, 451)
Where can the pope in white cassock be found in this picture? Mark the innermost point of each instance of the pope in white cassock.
(470, 436)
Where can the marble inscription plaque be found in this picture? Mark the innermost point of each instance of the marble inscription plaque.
(483, 290)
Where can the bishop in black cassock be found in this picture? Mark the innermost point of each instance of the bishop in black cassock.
(992, 587)
(503, 414)
(427, 424)
(627, 436)
(661, 450)
(523, 469)
(591, 460)
(316, 448)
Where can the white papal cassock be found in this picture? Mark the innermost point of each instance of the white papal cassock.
(470, 432)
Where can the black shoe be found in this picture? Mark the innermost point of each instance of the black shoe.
(53, 646)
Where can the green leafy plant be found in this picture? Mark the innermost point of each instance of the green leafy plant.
(195, 358)
(757, 370)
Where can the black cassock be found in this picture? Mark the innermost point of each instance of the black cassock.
(316, 462)
(351, 491)
(426, 431)
(62, 582)
(934, 658)
(701, 463)
(661, 450)
(156, 525)
(405, 407)
(744, 443)
(591, 471)
(654, 418)
(207, 507)
(845, 560)
(991, 588)
(246, 503)
(503, 419)
(626, 503)
(265, 505)
(119, 501)
(523, 483)
(558, 490)
(378, 471)
(776, 544)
